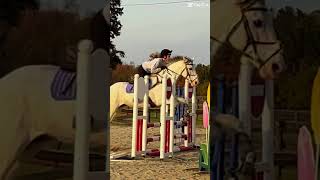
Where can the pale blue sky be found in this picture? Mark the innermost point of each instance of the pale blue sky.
(147, 29)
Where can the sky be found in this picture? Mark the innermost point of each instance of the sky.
(147, 29)
(182, 27)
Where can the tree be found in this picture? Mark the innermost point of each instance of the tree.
(71, 5)
(299, 33)
(115, 28)
(203, 75)
(10, 13)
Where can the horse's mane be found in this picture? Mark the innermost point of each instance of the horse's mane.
(179, 58)
(172, 60)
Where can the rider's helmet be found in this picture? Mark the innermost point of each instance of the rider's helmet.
(165, 52)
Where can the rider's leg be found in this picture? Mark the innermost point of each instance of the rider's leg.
(141, 71)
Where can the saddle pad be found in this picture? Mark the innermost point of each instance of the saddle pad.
(63, 86)
(130, 87)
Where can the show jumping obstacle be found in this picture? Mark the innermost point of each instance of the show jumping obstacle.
(265, 168)
(167, 122)
(93, 80)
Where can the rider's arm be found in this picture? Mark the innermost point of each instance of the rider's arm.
(157, 64)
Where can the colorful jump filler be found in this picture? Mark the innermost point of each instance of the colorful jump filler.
(315, 117)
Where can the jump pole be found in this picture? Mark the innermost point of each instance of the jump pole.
(94, 91)
(141, 119)
(267, 130)
(267, 163)
(245, 95)
(81, 152)
(193, 114)
(172, 114)
(186, 96)
(145, 114)
(135, 116)
(163, 117)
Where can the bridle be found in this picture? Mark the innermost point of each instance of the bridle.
(185, 69)
(250, 39)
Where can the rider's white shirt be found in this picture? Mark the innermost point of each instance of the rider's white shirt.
(153, 66)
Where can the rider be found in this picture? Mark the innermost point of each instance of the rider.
(155, 65)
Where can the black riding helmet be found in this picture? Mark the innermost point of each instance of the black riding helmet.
(165, 52)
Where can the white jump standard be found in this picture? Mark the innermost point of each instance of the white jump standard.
(167, 122)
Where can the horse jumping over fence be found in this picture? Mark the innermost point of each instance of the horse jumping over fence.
(179, 66)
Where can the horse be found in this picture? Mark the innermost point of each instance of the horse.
(30, 112)
(246, 27)
(179, 66)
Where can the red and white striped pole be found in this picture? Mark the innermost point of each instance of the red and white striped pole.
(163, 116)
(186, 96)
(194, 114)
(145, 114)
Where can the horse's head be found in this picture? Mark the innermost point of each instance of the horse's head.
(247, 26)
(181, 66)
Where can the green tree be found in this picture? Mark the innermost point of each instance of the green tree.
(203, 74)
(10, 16)
(116, 11)
(300, 34)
